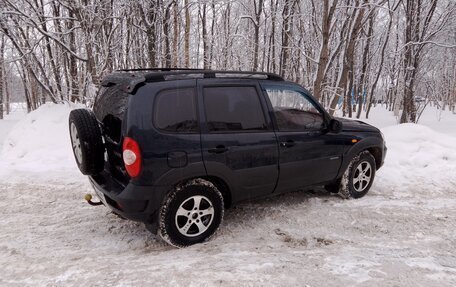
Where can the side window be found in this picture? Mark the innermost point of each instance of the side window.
(233, 109)
(175, 111)
(293, 110)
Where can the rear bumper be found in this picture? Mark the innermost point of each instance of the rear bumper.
(138, 203)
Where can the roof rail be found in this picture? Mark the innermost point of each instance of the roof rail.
(157, 69)
(164, 74)
(172, 74)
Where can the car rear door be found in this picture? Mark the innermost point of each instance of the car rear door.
(308, 153)
(163, 119)
(238, 141)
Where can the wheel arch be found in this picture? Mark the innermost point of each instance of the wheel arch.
(221, 185)
(371, 144)
(376, 152)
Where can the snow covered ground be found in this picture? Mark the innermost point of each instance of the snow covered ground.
(18, 111)
(438, 120)
(401, 234)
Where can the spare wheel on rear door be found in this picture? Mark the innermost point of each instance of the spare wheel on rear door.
(86, 141)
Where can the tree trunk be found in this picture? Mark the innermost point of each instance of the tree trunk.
(167, 35)
(272, 63)
(74, 91)
(2, 78)
(58, 91)
(227, 41)
(286, 35)
(326, 21)
(348, 57)
(382, 58)
(149, 17)
(348, 95)
(409, 108)
(203, 17)
(366, 62)
(6, 90)
(187, 36)
(258, 12)
(28, 98)
(416, 30)
(175, 34)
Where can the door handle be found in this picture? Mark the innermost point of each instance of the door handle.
(218, 149)
(288, 143)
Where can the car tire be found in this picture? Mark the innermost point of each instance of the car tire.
(359, 176)
(191, 213)
(86, 141)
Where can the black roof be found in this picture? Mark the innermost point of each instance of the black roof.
(130, 78)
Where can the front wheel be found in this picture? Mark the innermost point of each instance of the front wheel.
(359, 176)
(191, 213)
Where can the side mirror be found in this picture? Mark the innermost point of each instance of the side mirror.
(335, 126)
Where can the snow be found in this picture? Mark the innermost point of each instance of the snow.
(438, 120)
(401, 233)
(431, 157)
(18, 111)
(39, 146)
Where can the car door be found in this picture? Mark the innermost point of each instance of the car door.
(238, 141)
(308, 153)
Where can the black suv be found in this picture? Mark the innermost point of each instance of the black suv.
(174, 147)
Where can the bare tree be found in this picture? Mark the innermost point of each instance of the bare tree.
(2, 78)
(187, 35)
(287, 16)
(418, 18)
(326, 21)
(348, 55)
(395, 50)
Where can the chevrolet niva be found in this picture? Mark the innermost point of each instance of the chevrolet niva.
(174, 147)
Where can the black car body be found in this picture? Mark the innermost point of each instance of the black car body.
(233, 129)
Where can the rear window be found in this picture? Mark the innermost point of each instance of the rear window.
(175, 111)
(233, 109)
(110, 101)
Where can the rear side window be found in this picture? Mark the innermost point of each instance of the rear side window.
(175, 111)
(233, 109)
(110, 101)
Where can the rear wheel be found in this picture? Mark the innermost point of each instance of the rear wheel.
(191, 213)
(359, 176)
(86, 141)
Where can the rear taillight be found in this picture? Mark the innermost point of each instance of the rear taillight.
(131, 155)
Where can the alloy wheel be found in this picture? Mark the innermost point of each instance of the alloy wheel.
(362, 176)
(194, 216)
(76, 143)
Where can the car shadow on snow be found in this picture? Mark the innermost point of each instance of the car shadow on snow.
(277, 209)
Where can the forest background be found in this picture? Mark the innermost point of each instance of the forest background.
(351, 54)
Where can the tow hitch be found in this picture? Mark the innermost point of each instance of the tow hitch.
(88, 198)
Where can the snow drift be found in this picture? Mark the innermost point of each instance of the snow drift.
(420, 157)
(39, 145)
